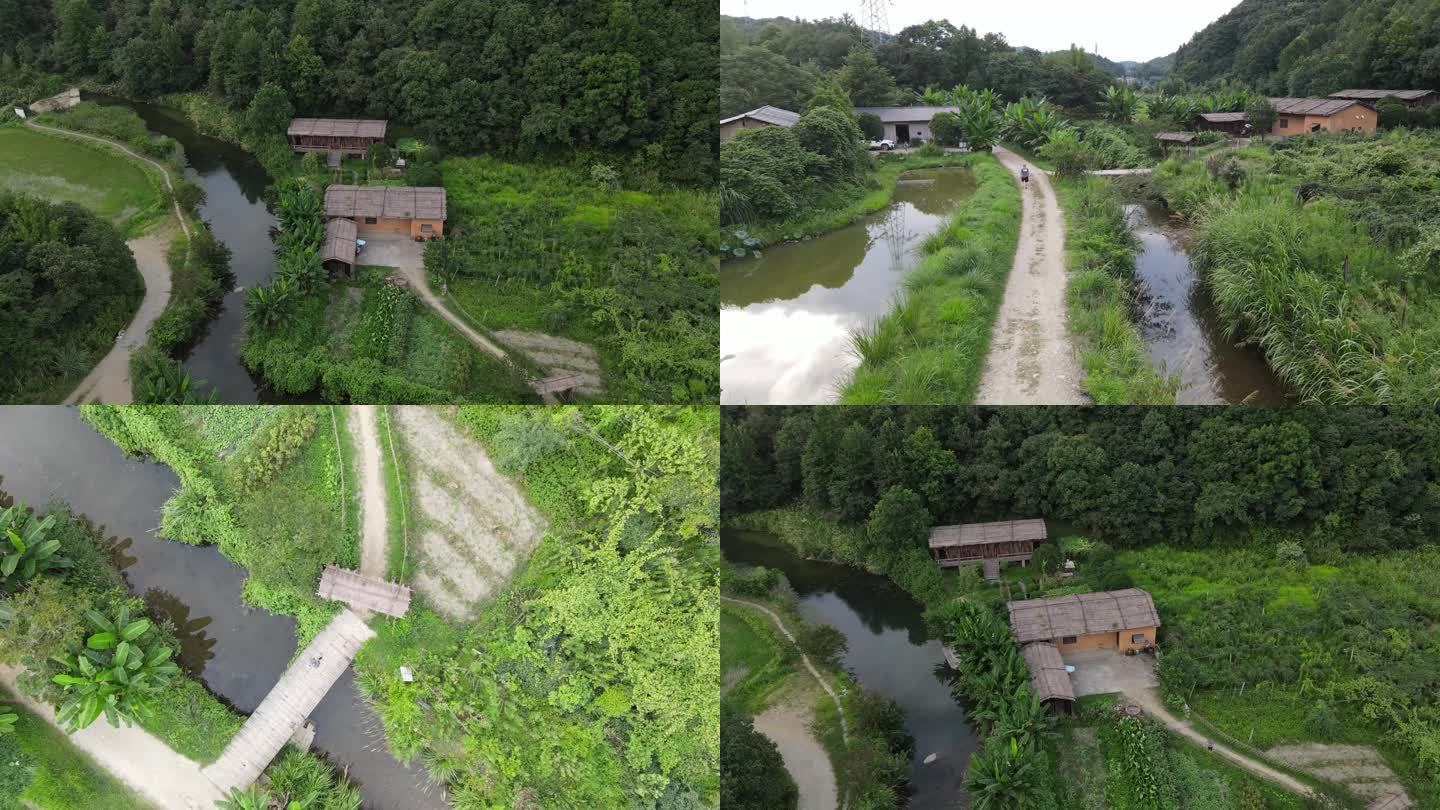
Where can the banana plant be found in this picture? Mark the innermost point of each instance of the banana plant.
(30, 552)
(114, 674)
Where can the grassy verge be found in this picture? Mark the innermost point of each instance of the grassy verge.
(1100, 254)
(931, 347)
(754, 660)
(104, 181)
(845, 205)
(397, 497)
(348, 475)
(1031, 156)
(41, 770)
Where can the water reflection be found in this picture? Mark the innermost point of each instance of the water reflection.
(786, 317)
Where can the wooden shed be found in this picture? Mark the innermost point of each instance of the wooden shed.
(987, 543)
(1231, 123)
(1048, 676)
(418, 212)
(340, 251)
(366, 593)
(350, 137)
(1121, 620)
(757, 118)
(1175, 140)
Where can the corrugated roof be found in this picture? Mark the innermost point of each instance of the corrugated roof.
(768, 114)
(979, 534)
(1177, 137)
(1047, 672)
(1311, 106)
(905, 115)
(338, 127)
(1223, 117)
(1362, 94)
(340, 240)
(1082, 614)
(398, 202)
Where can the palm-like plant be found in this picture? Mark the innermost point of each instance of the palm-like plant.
(1000, 776)
(166, 382)
(251, 798)
(977, 118)
(1120, 104)
(933, 96)
(115, 674)
(266, 308)
(29, 552)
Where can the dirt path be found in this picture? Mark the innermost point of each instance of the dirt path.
(134, 757)
(1031, 360)
(1149, 700)
(788, 726)
(109, 381)
(840, 710)
(374, 526)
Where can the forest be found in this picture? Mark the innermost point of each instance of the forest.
(68, 284)
(780, 61)
(523, 79)
(1288, 48)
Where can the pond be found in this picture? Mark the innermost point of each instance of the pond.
(234, 206)
(1182, 329)
(787, 316)
(239, 651)
(889, 652)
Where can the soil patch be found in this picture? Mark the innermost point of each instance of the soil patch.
(559, 356)
(1358, 767)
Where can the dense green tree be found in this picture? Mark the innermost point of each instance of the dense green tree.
(946, 129)
(269, 112)
(76, 22)
(752, 775)
(864, 79)
(754, 77)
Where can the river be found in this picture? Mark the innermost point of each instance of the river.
(1181, 328)
(234, 206)
(238, 651)
(889, 652)
(787, 316)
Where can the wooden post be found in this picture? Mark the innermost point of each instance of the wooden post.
(1346, 269)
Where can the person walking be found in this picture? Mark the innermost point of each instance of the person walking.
(1025, 175)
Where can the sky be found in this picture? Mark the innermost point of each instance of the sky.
(1123, 29)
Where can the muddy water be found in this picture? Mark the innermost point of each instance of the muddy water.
(234, 184)
(786, 317)
(1183, 331)
(889, 652)
(240, 652)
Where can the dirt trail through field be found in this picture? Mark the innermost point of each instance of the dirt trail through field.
(1031, 360)
(788, 726)
(472, 526)
(134, 757)
(1359, 767)
(109, 382)
(374, 526)
(1149, 700)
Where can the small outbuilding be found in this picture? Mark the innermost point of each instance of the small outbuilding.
(348, 137)
(418, 212)
(989, 544)
(1048, 676)
(757, 118)
(1175, 140)
(905, 124)
(340, 248)
(1415, 99)
(1233, 124)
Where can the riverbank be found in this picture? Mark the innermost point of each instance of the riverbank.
(1100, 299)
(840, 207)
(932, 345)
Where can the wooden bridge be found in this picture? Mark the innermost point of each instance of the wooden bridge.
(285, 709)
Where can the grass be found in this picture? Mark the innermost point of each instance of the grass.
(393, 461)
(349, 346)
(40, 769)
(192, 721)
(843, 206)
(753, 654)
(1100, 254)
(931, 346)
(62, 169)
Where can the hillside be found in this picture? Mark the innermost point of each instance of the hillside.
(1299, 47)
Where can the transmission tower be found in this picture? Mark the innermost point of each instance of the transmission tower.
(873, 17)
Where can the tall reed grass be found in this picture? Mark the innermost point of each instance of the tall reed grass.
(931, 346)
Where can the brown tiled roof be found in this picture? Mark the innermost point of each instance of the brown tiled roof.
(979, 534)
(1224, 117)
(340, 240)
(1082, 614)
(1376, 95)
(396, 202)
(1311, 106)
(338, 127)
(1047, 671)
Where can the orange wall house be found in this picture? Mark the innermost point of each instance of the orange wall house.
(1116, 620)
(1303, 116)
(417, 212)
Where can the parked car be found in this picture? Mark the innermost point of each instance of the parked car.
(882, 145)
